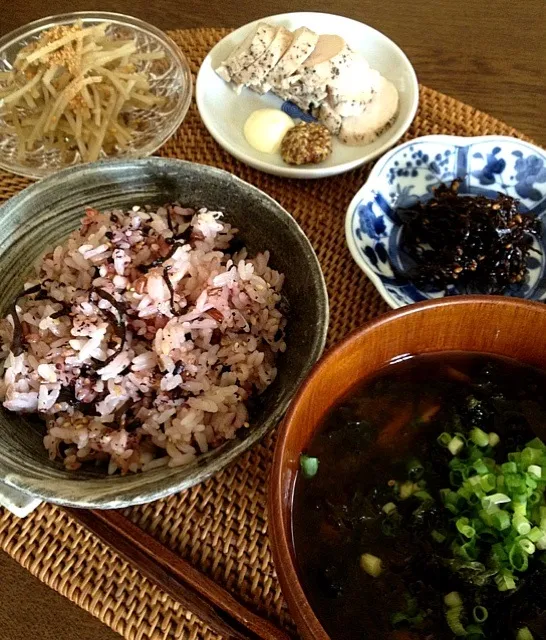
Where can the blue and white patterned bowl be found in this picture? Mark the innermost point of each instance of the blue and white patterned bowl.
(487, 165)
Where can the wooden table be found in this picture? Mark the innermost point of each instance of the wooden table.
(491, 55)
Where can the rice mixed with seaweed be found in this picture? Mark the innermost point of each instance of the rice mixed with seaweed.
(142, 338)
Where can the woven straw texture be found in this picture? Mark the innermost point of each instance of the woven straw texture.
(220, 526)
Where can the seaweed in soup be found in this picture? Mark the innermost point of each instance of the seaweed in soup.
(384, 441)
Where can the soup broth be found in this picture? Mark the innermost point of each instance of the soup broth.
(380, 489)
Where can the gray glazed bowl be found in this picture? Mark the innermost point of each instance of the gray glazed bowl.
(45, 213)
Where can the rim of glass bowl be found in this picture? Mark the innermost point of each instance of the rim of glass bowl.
(35, 27)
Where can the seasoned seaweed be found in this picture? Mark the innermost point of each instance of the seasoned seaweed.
(171, 290)
(475, 243)
(17, 342)
(118, 324)
(144, 268)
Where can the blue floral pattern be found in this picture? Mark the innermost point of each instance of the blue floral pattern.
(494, 166)
(529, 170)
(295, 112)
(486, 165)
(437, 165)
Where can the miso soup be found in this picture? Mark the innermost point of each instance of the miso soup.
(420, 510)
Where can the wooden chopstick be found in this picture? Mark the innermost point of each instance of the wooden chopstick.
(199, 594)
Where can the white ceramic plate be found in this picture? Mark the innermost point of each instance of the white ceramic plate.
(224, 113)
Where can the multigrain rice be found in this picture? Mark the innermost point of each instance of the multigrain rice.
(142, 338)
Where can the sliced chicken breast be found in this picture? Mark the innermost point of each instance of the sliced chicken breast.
(309, 86)
(321, 74)
(350, 98)
(356, 81)
(253, 46)
(332, 59)
(280, 45)
(365, 128)
(307, 98)
(301, 47)
(329, 118)
(254, 74)
(328, 46)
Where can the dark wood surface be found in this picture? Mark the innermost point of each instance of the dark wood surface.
(30, 610)
(491, 55)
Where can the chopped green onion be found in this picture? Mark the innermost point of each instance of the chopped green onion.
(486, 517)
(500, 520)
(509, 467)
(479, 437)
(423, 495)
(411, 616)
(453, 599)
(389, 507)
(541, 544)
(505, 580)
(469, 550)
(488, 482)
(535, 470)
(493, 439)
(524, 634)
(453, 617)
(514, 482)
(371, 564)
(518, 558)
(535, 534)
(406, 490)
(479, 614)
(542, 512)
(444, 439)
(481, 467)
(398, 618)
(536, 443)
(439, 537)
(521, 524)
(527, 546)
(456, 445)
(530, 456)
(494, 499)
(474, 632)
(463, 527)
(498, 554)
(309, 466)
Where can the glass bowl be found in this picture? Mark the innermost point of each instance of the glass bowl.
(169, 78)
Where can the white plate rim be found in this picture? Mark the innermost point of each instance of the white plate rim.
(309, 172)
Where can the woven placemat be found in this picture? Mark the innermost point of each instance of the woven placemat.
(221, 525)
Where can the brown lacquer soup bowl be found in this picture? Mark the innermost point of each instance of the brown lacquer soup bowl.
(505, 327)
